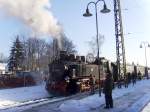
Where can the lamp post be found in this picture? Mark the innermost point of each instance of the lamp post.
(88, 14)
(145, 44)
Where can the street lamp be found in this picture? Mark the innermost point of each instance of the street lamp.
(145, 44)
(88, 14)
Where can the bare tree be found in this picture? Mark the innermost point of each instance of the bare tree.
(39, 53)
(35, 50)
(3, 58)
(93, 44)
(49, 51)
(67, 44)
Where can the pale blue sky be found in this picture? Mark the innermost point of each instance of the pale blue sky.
(80, 29)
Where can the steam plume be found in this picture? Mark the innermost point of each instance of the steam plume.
(34, 13)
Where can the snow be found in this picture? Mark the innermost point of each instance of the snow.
(26, 107)
(140, 103)
(93, 102)
(147, 108)
(3, 67)
(9, 97)
(131, 99)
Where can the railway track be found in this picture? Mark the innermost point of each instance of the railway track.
(48, 100)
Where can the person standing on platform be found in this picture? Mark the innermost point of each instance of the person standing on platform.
(108, 86)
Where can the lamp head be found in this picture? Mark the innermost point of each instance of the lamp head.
(105, 9)
(87, 13)
(141, 46)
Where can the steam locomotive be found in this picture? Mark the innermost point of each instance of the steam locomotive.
(69, 74)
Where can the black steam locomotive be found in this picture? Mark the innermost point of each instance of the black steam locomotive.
(69, 74)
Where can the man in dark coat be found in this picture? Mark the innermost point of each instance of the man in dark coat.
(126, 81)
(92, 83)
(139, 75)
(108, 86)
(133, 78)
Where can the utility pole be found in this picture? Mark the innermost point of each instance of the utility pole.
(120, 47)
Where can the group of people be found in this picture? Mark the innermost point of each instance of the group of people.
(108, 84)
(129, 78)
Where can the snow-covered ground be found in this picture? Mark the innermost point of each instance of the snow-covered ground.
(9, 97)
(131, 99)
(147, 108)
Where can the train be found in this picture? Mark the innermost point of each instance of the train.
(70, 74)
(20, 79)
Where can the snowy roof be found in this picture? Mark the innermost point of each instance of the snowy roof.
(3, 66)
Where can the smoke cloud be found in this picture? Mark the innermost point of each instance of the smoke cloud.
(34, 13)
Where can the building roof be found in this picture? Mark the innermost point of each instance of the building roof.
(3, 66)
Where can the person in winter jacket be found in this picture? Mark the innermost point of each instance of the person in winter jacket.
(108, 86)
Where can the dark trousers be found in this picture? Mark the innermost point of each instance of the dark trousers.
(92, 87)
(126, 84)
(134, 81)
(109, 100)
(119, 84)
